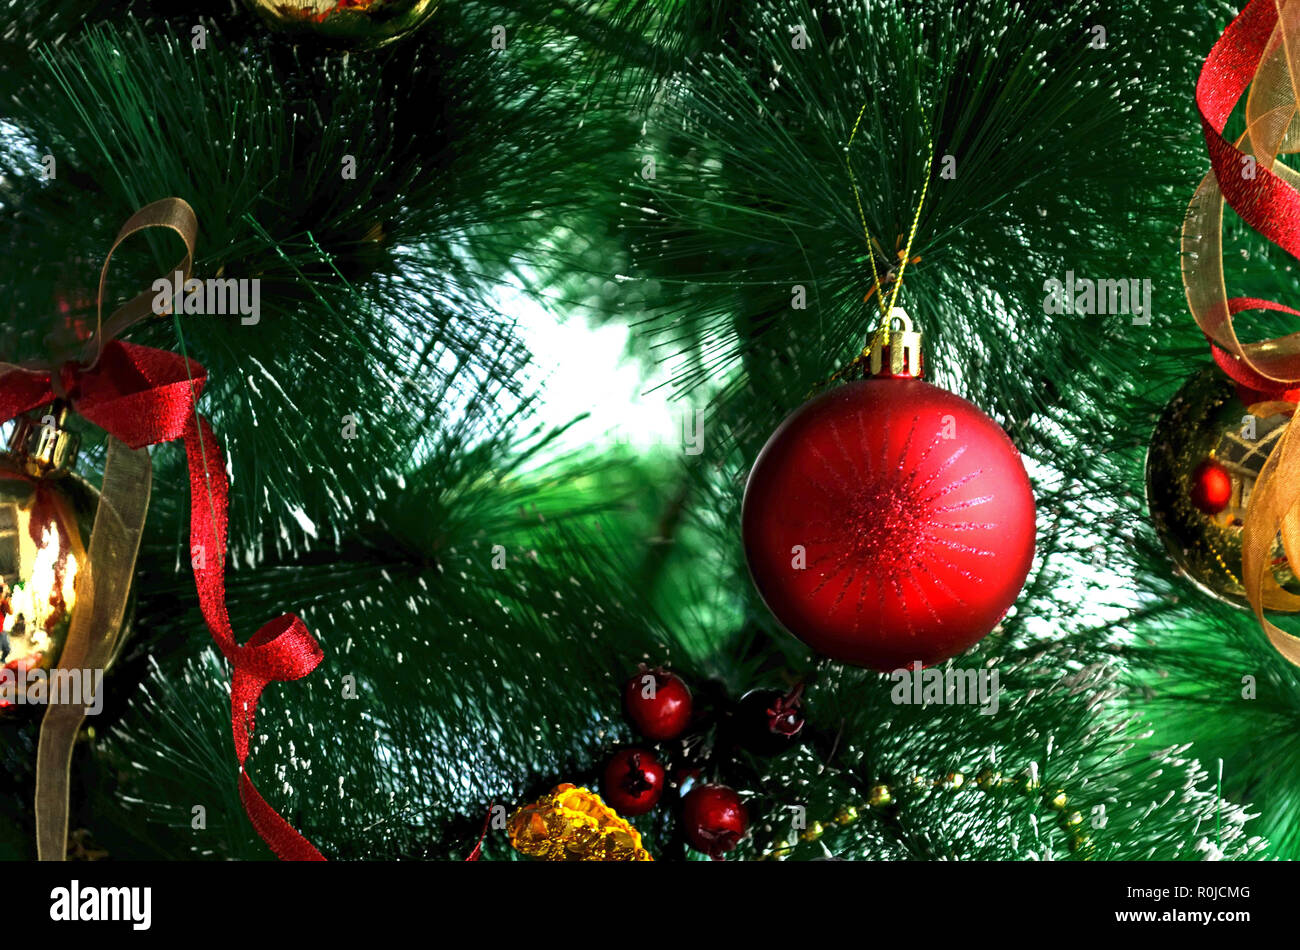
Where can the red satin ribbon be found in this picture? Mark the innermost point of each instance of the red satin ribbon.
(478, 848)
(1257, 388)
(1266, 202)
(145, 396)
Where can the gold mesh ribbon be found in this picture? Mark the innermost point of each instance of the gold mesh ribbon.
(104, 582)
(573, 824)
(1271, 130)
(103, 586)
(1272, 511)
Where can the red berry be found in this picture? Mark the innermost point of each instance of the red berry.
(634, 781)
(658, 703)
(1211, 487)
(768, 721)
(715, 819)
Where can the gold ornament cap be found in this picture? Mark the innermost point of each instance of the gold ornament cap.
(895, 350)
(42, 446)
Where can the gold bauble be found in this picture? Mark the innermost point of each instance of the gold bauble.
(355, 24)
(46, 515)
(1207, 420)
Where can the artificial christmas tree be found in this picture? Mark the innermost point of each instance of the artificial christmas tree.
(394, 418)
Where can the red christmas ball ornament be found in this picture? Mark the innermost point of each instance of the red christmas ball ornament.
(634, 782)
(658, 703)
(714, 819)
(1211, 487)
(889, 521)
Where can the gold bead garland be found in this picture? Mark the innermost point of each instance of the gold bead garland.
(881, 797)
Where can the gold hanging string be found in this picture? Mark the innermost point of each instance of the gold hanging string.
(862, 216)
(911, 235)
(872, 244)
